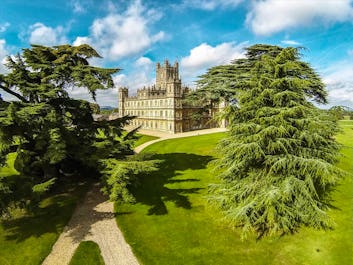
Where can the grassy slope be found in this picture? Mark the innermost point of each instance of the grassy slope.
(143, 139)
(27, 239)
(87, 253)
(172, 222)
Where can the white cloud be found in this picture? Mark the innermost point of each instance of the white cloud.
(81, 40)
(211, 4)
(3, 53)
(44, 35)
(4, 26)
(78, 6)
(144, 62)
(205, 56)
(271, 16)
(339, 81)
(141, 75)
(290, 42)
(121, 35)
(107, 97)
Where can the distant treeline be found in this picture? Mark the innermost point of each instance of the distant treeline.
(102, 110)
(342, 112)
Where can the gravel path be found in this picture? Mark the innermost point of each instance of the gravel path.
(94, 220)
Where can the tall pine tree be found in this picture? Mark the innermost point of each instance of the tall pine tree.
(54, 136)
(277, 164)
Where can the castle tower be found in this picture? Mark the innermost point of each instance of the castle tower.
(167, 78)
(122, 95)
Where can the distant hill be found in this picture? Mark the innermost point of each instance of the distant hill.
(106, 108)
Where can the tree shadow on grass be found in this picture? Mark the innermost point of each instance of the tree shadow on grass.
(53, 217)
(50, 219)
(153, 191)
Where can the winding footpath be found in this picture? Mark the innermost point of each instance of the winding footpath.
(94, 220)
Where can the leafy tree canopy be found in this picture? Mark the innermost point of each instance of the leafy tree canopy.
(277, 165)
(339, 112)
(54, 136)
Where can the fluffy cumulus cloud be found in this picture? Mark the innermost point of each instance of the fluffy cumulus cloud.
(140, 75)
(78, 6)
(339, 81)
(122, 35)
(4, 26)
(271, 16)
(144, 62)
(205, 56)
(3, 53)
(45, 35)
(211, 4)
(107, 97)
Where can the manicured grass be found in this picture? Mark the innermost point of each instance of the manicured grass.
(28, 238)
(143, 139)
(87, 253)
(172, 223)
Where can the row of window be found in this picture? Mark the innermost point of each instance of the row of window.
(149, 103)
(152, 103)
(152, 125)
(153, 114)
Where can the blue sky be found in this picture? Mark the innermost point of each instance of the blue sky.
(134, 35)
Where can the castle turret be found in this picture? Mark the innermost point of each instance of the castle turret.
(123, 94)
(167, 78)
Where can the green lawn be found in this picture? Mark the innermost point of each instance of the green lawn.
(172, 223)
(27, 239)
(143, 139)
(87, 253)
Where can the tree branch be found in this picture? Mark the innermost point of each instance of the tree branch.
(14, 94)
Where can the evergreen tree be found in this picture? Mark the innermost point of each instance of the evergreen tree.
(52, 134)
(277, 163)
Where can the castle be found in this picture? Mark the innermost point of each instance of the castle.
(161, 107)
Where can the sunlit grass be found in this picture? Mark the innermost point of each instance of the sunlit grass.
(142, 138)
(172, 223)
(87, 253)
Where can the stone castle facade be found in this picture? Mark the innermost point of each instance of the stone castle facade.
(161, 107)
